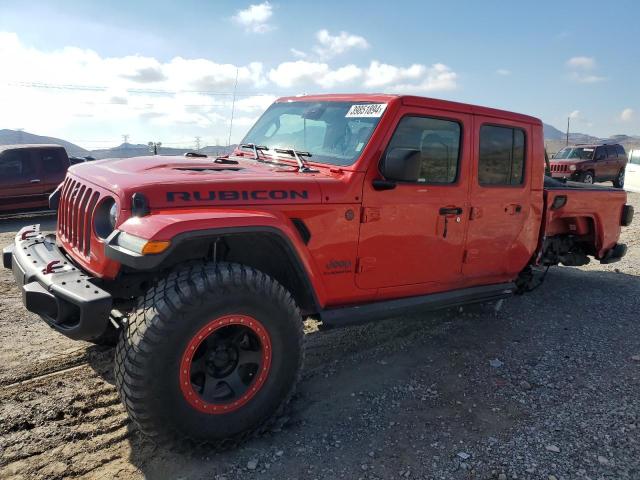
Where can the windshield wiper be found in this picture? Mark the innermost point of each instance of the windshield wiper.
(297, 154)
(255, 148)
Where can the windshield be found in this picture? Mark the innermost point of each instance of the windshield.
(333, 132)
(574, 153)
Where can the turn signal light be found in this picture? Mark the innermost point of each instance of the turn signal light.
(157, 246)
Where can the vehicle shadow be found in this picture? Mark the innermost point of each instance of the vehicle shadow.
(349, 370)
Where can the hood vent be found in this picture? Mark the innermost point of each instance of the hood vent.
(209, 170)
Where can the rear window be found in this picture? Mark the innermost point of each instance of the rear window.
(501, 159)
(620, 150)
(52, 159)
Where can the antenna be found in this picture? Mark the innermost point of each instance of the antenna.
(233, 106)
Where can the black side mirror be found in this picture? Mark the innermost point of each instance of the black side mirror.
(402, 164)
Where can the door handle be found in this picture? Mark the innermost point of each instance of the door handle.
(445, 212)
(450, 211)
(513, 209)
(35, 180)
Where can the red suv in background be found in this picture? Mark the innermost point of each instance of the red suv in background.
(28, 174)
(591, 163)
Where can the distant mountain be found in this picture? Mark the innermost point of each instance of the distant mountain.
(17, 137)
(128, 150)
(552, 133)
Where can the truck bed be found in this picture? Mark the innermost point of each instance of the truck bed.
(586, 211)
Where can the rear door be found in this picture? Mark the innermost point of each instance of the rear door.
(500, 198)
(612, 162)
(20, 185)
(413, 234)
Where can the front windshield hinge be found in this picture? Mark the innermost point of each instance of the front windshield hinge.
(297, 154)
(255, 148)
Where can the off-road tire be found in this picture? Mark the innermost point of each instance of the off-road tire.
(618, 182)
(173, 313)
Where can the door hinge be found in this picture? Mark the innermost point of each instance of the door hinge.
(369, 214)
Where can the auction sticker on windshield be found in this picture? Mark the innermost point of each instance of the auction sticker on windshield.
(369, 110)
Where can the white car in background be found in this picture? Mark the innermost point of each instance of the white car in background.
(632, 172)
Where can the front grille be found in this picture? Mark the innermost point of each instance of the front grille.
(75, 214)
(559, 168)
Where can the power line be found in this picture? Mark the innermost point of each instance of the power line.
(144, 91)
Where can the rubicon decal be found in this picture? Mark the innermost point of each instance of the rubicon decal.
(337, 266)
(233, 195)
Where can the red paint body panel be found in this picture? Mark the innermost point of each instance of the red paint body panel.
(389, 243)
(581, 206)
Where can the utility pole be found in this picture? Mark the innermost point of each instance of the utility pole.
(21, 140)
(568, 122)
(197, 144)
(125, 139)
(154, 146)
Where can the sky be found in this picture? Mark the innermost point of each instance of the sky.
(91, 72)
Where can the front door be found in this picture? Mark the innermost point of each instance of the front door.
(20, 185)
(414, 233)
(500, 199)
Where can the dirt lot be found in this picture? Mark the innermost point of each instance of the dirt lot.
(547, 387)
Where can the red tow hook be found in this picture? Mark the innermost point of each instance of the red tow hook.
(51, 267)
(25, 234)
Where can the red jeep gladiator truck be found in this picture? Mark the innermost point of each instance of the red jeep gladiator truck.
(347, 208)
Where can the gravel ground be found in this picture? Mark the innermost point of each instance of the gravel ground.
(545, 387)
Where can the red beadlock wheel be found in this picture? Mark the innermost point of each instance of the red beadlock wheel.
(225, 364)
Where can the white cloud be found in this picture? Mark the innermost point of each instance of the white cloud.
(332, 45)
(342, 75)
(298, 53)
(627, 115)
(503, 72)
(415, 78)
(255, 18)
(581, 68)
(584, 63)
(575, 115)
(79, 94)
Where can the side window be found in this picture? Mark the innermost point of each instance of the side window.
(436, 141)
(16, 164)
(502, 155)
(611, 151)
(620, 150)
(51, 160)
(601, 153)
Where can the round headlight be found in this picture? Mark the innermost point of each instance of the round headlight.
(106, 217)
(113, 215)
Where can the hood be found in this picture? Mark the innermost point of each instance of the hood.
(169, 181)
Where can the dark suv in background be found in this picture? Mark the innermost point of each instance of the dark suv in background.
(591, 163)
(28, 174)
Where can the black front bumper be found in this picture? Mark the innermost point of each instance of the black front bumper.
(55, 288)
